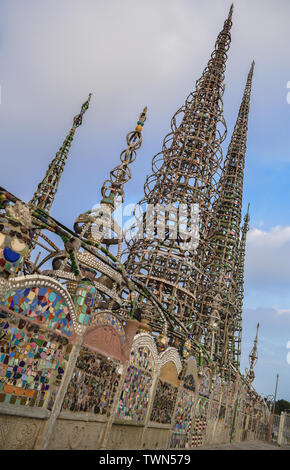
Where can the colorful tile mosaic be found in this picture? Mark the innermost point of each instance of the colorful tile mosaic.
(199, 428)
(135, 393)
(201, 407)
(178, 441)
(43, 306)
(32, 363)
(189, 383)
(84, 300)
(93, 384)
(164, 402)
(199, 422)
(204, 388)
(183, 415)
(109, 319)
(183, 412)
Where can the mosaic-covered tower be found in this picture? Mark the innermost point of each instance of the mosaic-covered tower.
(183, 176)
(224, 234)
(44, 195)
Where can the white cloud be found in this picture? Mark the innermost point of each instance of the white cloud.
(281, 311)
(268, 258)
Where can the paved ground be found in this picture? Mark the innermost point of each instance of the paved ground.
(249, 445)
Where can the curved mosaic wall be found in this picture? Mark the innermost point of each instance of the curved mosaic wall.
(135, 393)
(93, 384)
(164, 402)
(32, 363)
(182, 421)
(200, 422)
(42, 305)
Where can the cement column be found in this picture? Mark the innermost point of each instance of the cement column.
(44, 437)
(281, 428)
(217, 419)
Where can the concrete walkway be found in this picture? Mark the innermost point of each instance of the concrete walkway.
(247, 445)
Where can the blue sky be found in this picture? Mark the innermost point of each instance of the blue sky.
(129, 55)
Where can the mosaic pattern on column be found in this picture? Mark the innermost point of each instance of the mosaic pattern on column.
(93, 384)
(181, 430)
(84, 300)
(189, 383)
(43, 306)
(164, 402)
(135, 393)
(200, 421)
(182, 420)
(32, 363)
(229, 416)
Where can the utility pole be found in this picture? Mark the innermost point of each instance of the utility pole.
(271, 421)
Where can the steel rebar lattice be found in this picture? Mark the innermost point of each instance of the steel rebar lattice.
(184, 173)
(239, 276)
(221, 259)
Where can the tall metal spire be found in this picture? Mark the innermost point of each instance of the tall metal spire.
(121, 174)
(224, 232)
(183, 174)
(253, 357)
(98, 223)
(239, 286)
(46, 190)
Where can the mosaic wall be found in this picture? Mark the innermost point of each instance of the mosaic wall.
(183, 417)
(204, 388)
(93, 384)
(189, 383)
(43, 306)
(32, 363)
(201, 407)
(164, 402)
(135, 393)
(84, 300)
(199, 428)
(200, 422)
(183, 412)
(178, 441)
